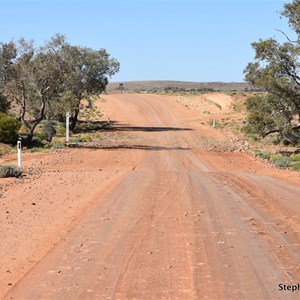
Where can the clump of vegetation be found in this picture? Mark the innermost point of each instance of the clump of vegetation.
(262, 154)
(296, 167)
(295, 158)
(46, 82)
(58, 145)
(9, 127)
(276, 70)
(280, 161)
(295, 162)
(10, 171)
(174, 89)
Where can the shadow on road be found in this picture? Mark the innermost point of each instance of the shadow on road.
(88, 126)
(126, 127)
(133, 147)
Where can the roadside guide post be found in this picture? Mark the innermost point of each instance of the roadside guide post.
(121, 88)
(67, 127)
(214, 123)
(19, 147)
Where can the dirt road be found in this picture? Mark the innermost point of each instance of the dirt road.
(151, 215)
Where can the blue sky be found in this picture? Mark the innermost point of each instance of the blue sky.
(187, 40)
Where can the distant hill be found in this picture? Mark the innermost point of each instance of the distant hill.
(165, 85)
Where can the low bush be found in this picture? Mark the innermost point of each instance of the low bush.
(9, 171)
(280, 161)
(295, 157)
(58, 145)
(9, 127)
(296, 167)
(60, 130)
(262, 154)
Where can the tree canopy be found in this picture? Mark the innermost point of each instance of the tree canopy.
(47, 81)
(276, 69)
(88, 72)
(4, 104)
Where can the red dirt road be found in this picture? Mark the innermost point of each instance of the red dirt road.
(150, 215)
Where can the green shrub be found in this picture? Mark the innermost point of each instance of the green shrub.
(58, 145)
(9, 127)
(60, 130)
(295, 157)
(261, 154)
(40, 136)
(9, 171)
(265, 155)
(296, 167)
(282, 164)
(280, 161)
(76, 140)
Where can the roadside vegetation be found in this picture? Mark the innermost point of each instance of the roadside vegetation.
(50, 134)
(275, 69)
(180, 89)
(163, 86)
(283, 160)
(38, 85)
(268, 116)
(9, 171)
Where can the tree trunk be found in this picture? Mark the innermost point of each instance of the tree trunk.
(27, 140)
(74, 119)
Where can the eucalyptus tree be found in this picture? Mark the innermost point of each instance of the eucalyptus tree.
(52, 79)
(32, 77)
(88, 73)
(276, 69)
(7, 53)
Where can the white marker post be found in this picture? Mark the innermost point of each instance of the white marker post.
(19, 147)
(67, 127)
(214, 123)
